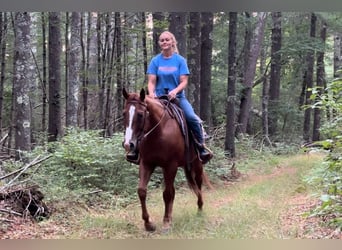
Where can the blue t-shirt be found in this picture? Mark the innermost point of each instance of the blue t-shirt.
(168, 72)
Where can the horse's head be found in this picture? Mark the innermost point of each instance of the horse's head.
(135, 111)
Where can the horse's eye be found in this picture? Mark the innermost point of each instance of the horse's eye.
(140, 116)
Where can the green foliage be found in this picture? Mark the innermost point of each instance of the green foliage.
(86, 167)
(328, 179)
(328, 176)
(251, 155)
(83, 162)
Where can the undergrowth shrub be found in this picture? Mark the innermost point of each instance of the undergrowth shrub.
(251, 155)
(83, 162)
(84, 166)
(328, 176)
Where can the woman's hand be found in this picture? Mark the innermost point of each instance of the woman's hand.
(172, 94)
(152, 95)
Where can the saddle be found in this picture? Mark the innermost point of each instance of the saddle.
(174, 110)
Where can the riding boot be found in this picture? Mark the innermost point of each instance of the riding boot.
(204, 153)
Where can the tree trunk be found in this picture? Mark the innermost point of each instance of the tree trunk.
(85, 47)
(44, 80)
(144, 43)
(101, 70)
(91, 112)
(74, 69)
(320, 78)
(82, 75)
(248, 81)
(206, 61)
(229, 144)
(308, 83)
(23, 81)
(158, 26)
(331, 112)
(66, 54)
(125, 51)
(274, 86)
(108, 62)
(1, 73)
(337, 55)
(242, 60)
(264, 97)
(119, 71)
(194, 60)
(178, 22)
(3, 29)
(55, 50)
(12, 115)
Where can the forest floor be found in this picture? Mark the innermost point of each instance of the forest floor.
(273, 204)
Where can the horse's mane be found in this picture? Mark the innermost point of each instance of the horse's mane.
(153, 101)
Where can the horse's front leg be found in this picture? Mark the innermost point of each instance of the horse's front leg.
(144, 177)
(168, 195)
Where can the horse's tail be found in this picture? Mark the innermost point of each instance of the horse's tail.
(191, 179)
(194, 174)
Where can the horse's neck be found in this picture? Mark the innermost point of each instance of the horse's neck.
(155, 108)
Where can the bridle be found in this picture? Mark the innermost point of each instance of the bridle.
(145, 112)
(142, 134)
(155, 126)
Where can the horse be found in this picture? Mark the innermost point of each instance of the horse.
(153, 132)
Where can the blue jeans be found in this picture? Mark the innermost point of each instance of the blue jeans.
(193, 121)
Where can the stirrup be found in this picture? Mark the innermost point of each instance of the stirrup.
(204, 154)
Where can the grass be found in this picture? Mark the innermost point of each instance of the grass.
(247, 209)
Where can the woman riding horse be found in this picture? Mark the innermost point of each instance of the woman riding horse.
(152, 129)
(168, 71)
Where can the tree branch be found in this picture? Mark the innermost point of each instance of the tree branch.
(10, 212)
(23, 169)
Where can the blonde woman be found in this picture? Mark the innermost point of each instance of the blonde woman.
(168, 73)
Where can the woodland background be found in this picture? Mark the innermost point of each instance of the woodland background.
(261, 80)
(250, 72)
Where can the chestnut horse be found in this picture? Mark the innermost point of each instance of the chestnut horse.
(156, 135)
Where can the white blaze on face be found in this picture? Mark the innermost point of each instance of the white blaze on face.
(129, 130)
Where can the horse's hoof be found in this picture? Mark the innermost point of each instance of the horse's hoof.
(150, 227)
(166, 228)
(200, 213)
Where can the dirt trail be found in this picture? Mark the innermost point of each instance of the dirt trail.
(300, 205)
(293, 219)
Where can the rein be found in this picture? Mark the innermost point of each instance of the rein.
(158, 123)
(155, 126)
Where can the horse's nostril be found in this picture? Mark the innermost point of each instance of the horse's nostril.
(131, 145)
(127, 146)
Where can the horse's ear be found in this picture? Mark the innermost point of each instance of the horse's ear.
(142, 94)
(124, 93)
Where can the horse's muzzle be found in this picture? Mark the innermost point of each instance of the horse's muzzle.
(129, 147)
